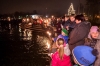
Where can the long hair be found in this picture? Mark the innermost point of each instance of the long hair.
(61, 48)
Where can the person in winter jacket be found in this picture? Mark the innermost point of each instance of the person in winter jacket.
(83, 55)
(97, 47)
(64, 34)
(66, 21)
(92, 36)
(61, 56)
(70, 24)
(79, 33)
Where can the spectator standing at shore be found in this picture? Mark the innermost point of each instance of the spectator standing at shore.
(79, 33)
(70, 23)
(97, 47)
(61, 56)
(92, 37)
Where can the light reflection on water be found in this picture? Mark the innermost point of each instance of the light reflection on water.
(24, 48)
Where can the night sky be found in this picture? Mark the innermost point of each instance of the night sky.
(53, 6)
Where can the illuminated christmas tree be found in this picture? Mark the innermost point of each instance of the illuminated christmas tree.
(71, 9)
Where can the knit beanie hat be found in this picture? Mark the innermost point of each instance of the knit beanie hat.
(65, 31)
(94, 29)
(60, 36)
(83, 55)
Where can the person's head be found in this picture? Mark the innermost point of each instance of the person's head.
(61, 47)
(86, 18)
(83, 55)
(60, 41)
(94, 32)
(64, 32)
(79, 19)
(66, 18)
(59, 37)
(72, 18)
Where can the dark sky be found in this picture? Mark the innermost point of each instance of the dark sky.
(60, 6)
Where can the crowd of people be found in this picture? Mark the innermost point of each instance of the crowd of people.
(76, 42)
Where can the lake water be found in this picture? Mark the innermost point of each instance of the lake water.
(24, 47)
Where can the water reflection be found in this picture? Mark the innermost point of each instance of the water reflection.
(27, 34)
(24, 47)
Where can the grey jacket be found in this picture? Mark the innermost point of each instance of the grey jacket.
(78, 35)
(97, 46)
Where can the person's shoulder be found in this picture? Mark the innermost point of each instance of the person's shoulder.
(55, 54)
(83, 24)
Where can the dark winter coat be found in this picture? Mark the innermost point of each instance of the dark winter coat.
(97, 46)
(78, 35)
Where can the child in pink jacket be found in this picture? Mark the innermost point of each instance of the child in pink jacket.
(61, 56)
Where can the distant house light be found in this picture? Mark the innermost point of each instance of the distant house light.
(35, 16)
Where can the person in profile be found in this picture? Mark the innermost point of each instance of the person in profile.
(79, 33)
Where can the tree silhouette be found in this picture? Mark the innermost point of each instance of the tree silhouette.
(93, 7)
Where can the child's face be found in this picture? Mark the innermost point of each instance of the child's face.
(94, 34)
(77, 21)
(63, 33)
